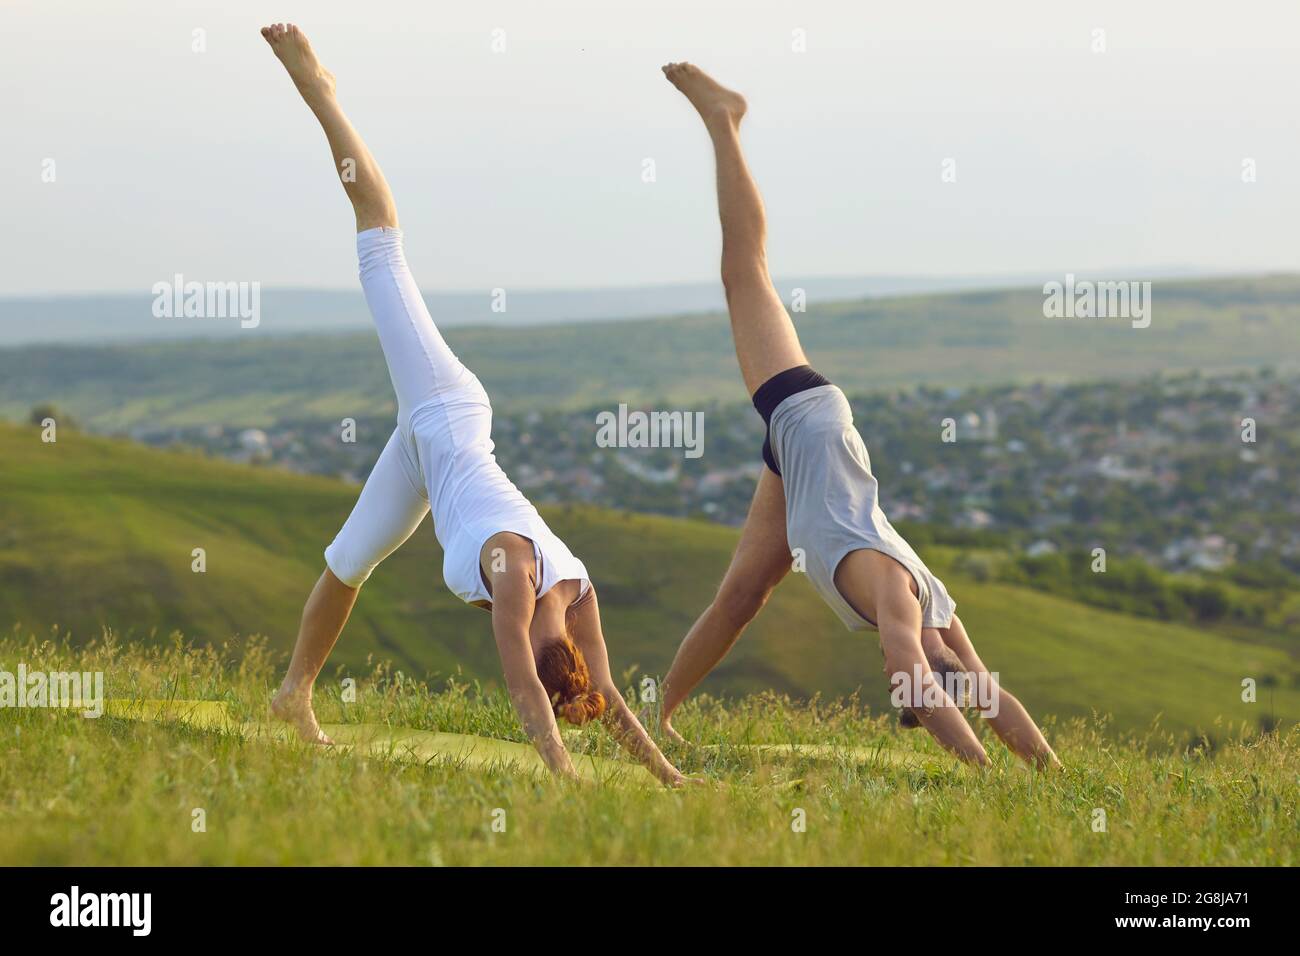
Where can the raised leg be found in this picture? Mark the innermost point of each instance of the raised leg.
(761, 560)
(362, 179)
(765, 338)
(421, 364)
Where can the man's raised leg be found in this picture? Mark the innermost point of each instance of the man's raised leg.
(764, 336)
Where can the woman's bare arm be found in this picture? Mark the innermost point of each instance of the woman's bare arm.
(584, 628)
(512, 611)
(632, 737)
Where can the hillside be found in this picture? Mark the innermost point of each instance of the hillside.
(96, 532)
(869, 792)
(940, 340)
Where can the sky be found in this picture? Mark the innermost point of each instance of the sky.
(526, 167)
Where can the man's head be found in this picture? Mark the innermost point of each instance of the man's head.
(943, 662)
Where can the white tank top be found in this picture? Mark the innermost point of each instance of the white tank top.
(450, 453)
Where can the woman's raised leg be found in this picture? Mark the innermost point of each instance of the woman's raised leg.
(420, 363)
(392, 503)
(766, 342)
(362, 179)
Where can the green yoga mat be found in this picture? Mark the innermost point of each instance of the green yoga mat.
(831, 753)
(411, 746)
(403, 744)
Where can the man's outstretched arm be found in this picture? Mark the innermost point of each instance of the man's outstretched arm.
(1005, 714)
(899, 621)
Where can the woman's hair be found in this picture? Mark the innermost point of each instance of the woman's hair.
(943, 661)
(564, 674)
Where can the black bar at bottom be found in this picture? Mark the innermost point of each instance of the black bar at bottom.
(333, 905)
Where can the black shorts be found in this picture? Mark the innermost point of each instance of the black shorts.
(775, 391)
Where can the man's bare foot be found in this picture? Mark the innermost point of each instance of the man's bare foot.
(296, 710)
(666, 728)
(711, 99)
(650, 716)
(291, 46)
(681, 781)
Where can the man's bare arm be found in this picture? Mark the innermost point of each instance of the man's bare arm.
(899, 621)
(1004, 712)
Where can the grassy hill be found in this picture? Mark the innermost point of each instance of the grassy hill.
(121, 792)
(943, 340)
(99, 533)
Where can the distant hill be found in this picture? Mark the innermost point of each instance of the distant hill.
(865, 345)
(97, 532)
(121, 317)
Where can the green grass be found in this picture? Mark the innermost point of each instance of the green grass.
(97, 533)
(939, 340)
(75, 791)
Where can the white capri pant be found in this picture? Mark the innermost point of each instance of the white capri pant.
(423, 369)
(440, 457)
(390, 508)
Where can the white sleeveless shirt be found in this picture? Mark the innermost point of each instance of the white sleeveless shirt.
(450, 453)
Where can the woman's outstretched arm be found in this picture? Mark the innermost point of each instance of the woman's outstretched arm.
(632, 737)
(1005, 714)
(585, 630)
(512, 611)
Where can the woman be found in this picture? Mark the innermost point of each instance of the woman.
(817, 498)
(498, 552)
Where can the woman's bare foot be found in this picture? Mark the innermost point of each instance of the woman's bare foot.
(712, 100)
(291, 46)
(296, 710)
